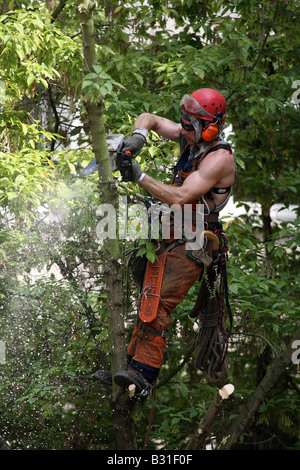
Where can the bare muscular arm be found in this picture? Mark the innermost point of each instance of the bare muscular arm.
(213, 170)
(216, 169)
(163, 127)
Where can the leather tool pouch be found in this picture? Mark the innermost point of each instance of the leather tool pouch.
(208, 251)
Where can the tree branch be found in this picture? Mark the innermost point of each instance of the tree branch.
(58, 10)
(273, 373)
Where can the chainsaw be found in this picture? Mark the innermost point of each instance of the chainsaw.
(120, 161)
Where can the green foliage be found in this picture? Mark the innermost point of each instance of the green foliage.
(99, 83)
(261, 270)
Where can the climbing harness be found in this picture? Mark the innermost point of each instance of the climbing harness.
(186, 165)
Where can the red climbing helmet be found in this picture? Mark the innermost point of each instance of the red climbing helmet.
(205, 103)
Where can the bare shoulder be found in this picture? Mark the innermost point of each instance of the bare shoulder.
(219, 163)
(221, 157)
(222, 154)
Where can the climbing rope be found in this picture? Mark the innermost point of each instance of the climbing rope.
(213, 337)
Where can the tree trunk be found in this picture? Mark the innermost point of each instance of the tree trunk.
(111, 253)
(273, 373)
(266, 220)
(267, 234)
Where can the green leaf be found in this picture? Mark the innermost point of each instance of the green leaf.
(151, 256)
(184, 390)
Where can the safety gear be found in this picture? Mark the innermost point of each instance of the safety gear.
(141, 131)
(132, 144)
(125, 161)
(205, 103)
(136, 170)
(187, 127)
(196, 123)
(210, 132)
(148, 341)
(151, 290)
(185, 166)
(124, 378)
(180, 272)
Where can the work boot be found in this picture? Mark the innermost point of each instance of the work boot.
(103, 376)
(124, 378)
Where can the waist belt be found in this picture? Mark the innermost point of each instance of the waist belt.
(147, 333)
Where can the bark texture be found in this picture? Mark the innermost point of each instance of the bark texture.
(110, 252)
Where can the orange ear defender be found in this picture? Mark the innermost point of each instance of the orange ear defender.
(210, 131)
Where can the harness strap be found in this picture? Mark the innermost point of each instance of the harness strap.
(148, 333)
(212, 148)
(163, 247)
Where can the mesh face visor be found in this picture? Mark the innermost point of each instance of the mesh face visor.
(197, 124)
(190, 105)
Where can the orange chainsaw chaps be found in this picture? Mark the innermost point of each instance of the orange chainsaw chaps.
(151, 289)
(147, 344)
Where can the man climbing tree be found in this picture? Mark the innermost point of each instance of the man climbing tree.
(204, 174)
